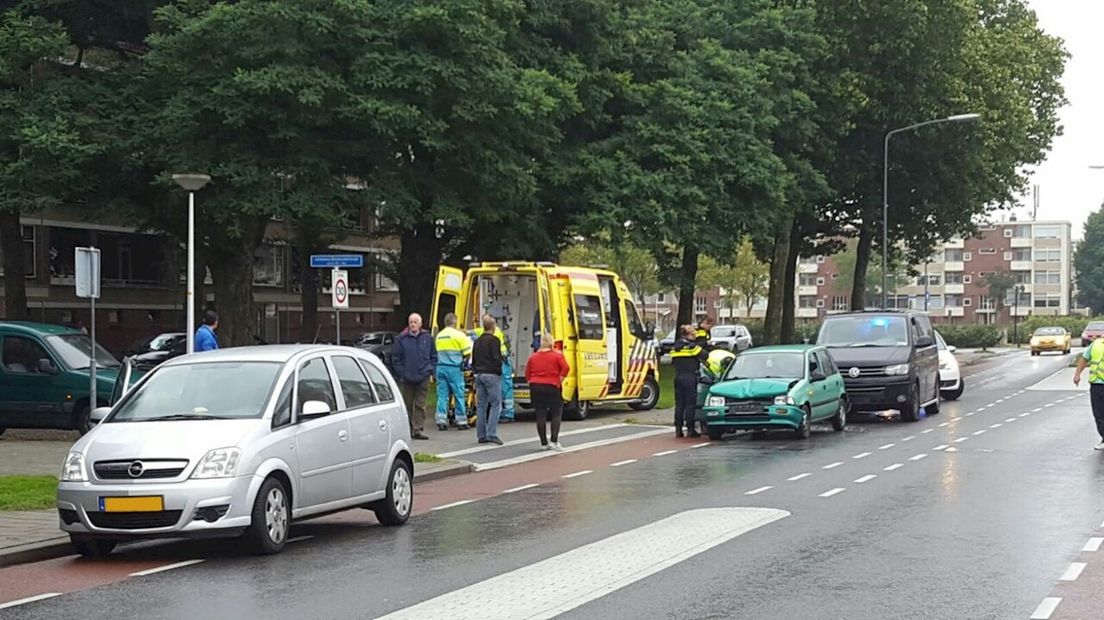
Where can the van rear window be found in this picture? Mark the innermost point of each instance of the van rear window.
(589, 319)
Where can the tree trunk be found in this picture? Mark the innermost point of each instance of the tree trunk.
(308, 296)
(15, 268)
(419, 259)
(231, 263)
(863, 251)
(772, 323)
(789, 304)
(688, 276)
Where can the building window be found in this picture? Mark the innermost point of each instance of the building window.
(1048, 301)
(952, 301)
(1007, 256)
(1049, 255)
(900, 302)
(807, 301)
(717, 303)
(820, 281)
(1021, 254)
(1021, 231)
(988, 303)
(935, 302)
(967, 302)
(807, 260)
(807, 279)
(1048, 277)
(933, 279)
(820, 303)
(28, 252)
(967, 257)
(268, 265)
(820, 259)
(1048, 232)
(987, 251)
(1021, 277)
(835, 276)
(966, 279)
(955, 277)
(699, 305)
(840, 304)
(661, 298)
(953, 255)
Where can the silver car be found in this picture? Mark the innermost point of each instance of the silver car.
(240, 442)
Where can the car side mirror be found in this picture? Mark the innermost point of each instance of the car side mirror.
(952, 348)
(98, 414)
(314, 409)
(819, 376)
(924, 341)
(706, 380)
(46, 367)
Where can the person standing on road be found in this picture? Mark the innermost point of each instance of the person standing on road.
(487, 365)
(687, 357)
(413, 361)
(544, 372)
(453, 349)
(205, 338)
(1093, 359)
(506, 414)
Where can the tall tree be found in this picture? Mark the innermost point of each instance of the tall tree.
(1089, 263)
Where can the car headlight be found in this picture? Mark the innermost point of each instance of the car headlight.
(715, 401)
(1034, 341)
(220, 463)
(783, 400)
(897, 369)
(73, 470)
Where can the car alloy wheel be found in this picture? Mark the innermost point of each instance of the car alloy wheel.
(402, 493)
(276, 515)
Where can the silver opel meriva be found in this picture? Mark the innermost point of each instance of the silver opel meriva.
(240, 442)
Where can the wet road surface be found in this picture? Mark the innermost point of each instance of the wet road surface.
(978, 512)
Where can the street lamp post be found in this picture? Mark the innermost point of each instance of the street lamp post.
(958, 118)
(191, 183)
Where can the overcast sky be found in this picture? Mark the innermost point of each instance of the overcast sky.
(1068, 189)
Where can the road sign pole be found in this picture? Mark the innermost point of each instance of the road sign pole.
(92, 367)
(87, 266)
(337, 312)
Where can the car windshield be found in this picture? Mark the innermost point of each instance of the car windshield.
(213, 390)
(1050, 331)
(1095, 326)
(372, 339)
(939, 342)
(76, 351)
(163, 342)
(864, 331)
(722, 331)
(767, 366)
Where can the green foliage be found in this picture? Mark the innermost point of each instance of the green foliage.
(971, 336)
(633, 264)
(1089, 263)
(899, 275)
(743, 277)
(27, 492)
(1073, 324)
(998, 284)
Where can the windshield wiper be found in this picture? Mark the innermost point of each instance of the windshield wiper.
(186, 416)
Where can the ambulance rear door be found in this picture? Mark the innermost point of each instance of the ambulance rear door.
(448, 296)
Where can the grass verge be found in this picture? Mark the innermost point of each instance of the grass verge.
(27, 492)
(422, 457)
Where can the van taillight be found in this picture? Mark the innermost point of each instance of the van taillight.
(558, 345)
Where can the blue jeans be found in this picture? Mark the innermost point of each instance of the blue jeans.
(450, 380)
(488, 401)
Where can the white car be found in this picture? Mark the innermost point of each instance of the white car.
(951, 383)
(735, 338)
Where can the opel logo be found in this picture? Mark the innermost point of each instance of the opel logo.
(135, 469)
(854, 372)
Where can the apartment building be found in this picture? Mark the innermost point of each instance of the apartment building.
(144, 280)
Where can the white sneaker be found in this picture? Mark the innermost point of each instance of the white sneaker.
(1099, 446)
(546, 447)
(559, 448)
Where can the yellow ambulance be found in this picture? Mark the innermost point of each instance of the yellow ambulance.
(589, 313)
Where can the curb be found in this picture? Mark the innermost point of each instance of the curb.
(59, 547)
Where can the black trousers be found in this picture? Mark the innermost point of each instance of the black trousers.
(1096, 397)
(686, 400)
(548, 404)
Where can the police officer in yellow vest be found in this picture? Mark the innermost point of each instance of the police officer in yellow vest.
(453, 349)
(703, 333)
(1093, 359)
(687, 357)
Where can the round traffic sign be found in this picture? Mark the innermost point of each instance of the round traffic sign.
(341, 291)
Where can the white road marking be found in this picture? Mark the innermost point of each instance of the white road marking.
(894, 466)
(1025, 414)
(955, 419)
(1093, 544)
(1010, 420)
(887, 446)
(300, 538)
(926, 431)
(834, 491)
(944, 424)
(452, 505)
(522, 488)
(1036, 410)
(29, 599)
(951, 449)
(866, 478)
(572, 579)
(1073, 571)
(918, 457)
(1046, 608)
(832, 465)
(997, 425)
(980, 432)
(961, 439)
(625, 462)
(798, 477)
(702, 445)
(861, 456)
(759, 490)
(579, 473)
(970, 414)
(1048, 405)
(665, 453)
(909, 438)
(1000, 401)
(941, 446)
(161, 569)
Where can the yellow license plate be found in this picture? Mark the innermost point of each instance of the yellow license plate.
(132, 504)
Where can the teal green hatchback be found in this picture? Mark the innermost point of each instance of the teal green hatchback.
(772, 388)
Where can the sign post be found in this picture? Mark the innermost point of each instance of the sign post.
(87, 263)
(339, 289)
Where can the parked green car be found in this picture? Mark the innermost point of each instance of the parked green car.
(784, 387)
(44, 376)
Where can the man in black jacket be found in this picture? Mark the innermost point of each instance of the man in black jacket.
(487, 365)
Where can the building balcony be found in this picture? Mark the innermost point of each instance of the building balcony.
(806, 313)
(954, 266)
(955, 243)
(1022, 265)
(1023, 310)
(954, 289)
(808, 268)
(985, 310)
(1022, 242)
(955, 311)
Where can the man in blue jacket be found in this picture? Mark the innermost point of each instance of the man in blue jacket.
(205, 338)
(414, 361)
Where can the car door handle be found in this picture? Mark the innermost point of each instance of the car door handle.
(342, 435)
(383, 425)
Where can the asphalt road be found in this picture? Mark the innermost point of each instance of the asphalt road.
(882, 521)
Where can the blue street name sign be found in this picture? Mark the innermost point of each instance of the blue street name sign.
(327, 261)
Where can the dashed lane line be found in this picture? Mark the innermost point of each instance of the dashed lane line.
(29, 599)
(1025, 414)
(887, 446)
(832, 465)
(997, 425)
(862, 455)
(625, 462)
(798, 477)
(894, 466)
(665, 453)
(941, 446)
(759, 490)
(1093, 544)
(1073, 571)
(835, 491)
(927, 430)
(909, 438)
(452, 505)
(961, 439)
(167, 567)
(579, 473)
(866, 478)
(917, 457)
(522, 488)
(980, 432)
(944, 424)
(702, 445)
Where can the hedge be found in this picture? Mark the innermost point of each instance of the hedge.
(1073, 324)
(971, 336)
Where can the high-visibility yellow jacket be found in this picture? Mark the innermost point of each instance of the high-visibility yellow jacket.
(453, 347)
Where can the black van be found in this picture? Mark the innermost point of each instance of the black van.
(888, 359)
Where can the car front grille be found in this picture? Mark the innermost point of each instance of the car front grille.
(134, 520)
(756, 405)
(151, 469)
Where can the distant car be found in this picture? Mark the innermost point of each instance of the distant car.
(159, 348)
(379, 343)
(735, 338)
(1091, 332)
(951, 383)
(782, 387)
(667, 342)
(1050, 339)
(240, 442)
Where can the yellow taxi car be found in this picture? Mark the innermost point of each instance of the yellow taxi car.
(1050, 339)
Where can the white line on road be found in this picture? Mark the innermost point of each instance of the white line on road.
(300, 538)
(759, 490)
(887, 446)
(909, 438)
(1048, 405)
(702, 445)
(1036, 410)
(832, 465)
(573, 579)
(997, 425)
(894, 466)
(1093, 544)
(834, 491)
(1073, 571)
(625, 462)
(944, 424)
(798, 477)
(980, 432)
(926, 431)
(918, 457)
(579, 473)
(866, 478)
(161, 569)
(970, 414)
(961, 439)
(862, 455)
(452, 505)
(1046, 608)
(955, 419)
(941, 446)
(1025, 414)
(1010, 420)
(29, 599)
(522, 488)
(665, 453)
